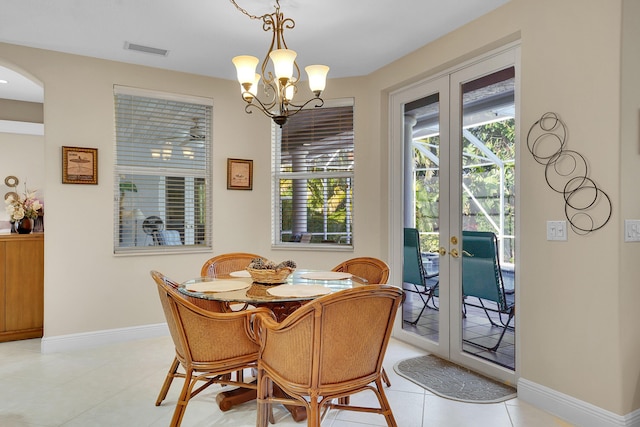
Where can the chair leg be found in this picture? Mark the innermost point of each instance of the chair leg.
(264, 413)
(385, 378)
(504, 330)
(314, 416)
(415, 322)
(167, 381)
(185, 395)
(384, 404)
(430, 296)
(511, 313)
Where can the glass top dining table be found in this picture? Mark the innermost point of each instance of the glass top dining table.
(238, 287)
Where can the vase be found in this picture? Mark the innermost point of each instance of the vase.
(24, 226)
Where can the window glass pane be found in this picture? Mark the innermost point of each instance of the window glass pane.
(313, 177)
(318, 207)
(162, 165)
(488, 161)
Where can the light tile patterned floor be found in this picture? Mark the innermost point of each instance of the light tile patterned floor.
(116, 385)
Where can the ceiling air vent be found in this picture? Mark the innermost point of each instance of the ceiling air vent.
(145, 49)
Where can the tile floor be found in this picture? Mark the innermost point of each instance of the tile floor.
(117, 384)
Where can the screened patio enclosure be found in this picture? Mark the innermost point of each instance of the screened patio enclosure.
(488, 167)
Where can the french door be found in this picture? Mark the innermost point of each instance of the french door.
(453, 169)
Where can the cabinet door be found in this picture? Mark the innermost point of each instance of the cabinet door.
(24, 277)
(3, 269)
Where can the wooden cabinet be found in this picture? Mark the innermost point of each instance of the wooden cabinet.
(21, 286)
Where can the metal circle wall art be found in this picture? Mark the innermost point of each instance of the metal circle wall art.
(587, 207)
(11, 181)
(11, 193)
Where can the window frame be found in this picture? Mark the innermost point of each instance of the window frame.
(277, 175)
(191, 176)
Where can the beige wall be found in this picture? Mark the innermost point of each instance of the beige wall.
(576, 298)
(21, 111)
(576, 284)
(87, 288)
(629, 289)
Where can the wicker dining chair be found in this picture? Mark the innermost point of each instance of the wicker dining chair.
(209, 346)
(329, 348)
(205, 304)
(374, 271)
(224, 264)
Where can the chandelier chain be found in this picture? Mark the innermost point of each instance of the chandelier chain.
(261, 17)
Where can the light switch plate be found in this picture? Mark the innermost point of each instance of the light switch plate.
(557, 230)
(632, 230)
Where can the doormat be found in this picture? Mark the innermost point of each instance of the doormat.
(451, 381)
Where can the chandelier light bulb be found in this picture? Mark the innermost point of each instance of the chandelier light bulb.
(252, 91)
(289, 92)
(317, 77)
(283, 63)
(245, 68)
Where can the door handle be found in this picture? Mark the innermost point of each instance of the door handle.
(442, 251)
(454, 253)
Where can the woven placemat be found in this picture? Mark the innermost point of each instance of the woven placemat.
(452, 381)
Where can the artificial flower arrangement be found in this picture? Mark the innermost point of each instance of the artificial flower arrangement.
(25, 206)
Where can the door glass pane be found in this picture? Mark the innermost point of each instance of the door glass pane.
(422, 216)
(488, 207)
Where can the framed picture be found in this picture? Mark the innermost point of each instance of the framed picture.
(79, 165)
(239, 174)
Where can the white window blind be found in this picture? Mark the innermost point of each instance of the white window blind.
(162, 172)
(313, 158)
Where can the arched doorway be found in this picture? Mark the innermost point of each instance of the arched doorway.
(22, 166)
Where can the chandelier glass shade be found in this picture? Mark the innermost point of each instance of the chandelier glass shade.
(280, 73)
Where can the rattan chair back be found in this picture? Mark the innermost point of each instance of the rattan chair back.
(224, 264)
(206, 304)
(374, 270)
(329, 348)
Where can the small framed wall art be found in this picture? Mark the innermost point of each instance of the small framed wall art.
(239, 174)
(79, 165)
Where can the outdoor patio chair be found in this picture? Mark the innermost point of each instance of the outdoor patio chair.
(414, 273)
(482, 280)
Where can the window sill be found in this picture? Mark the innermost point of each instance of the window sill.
(322, 247)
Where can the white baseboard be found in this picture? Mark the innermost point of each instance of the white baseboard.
(573, 410)
(97, 338)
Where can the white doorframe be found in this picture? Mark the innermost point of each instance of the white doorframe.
(506, 56)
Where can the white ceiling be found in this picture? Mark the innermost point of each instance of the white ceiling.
(353, 37)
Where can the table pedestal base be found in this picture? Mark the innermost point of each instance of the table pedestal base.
(228, 399)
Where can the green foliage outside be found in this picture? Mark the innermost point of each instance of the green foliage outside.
(327, 198)
(482, 179)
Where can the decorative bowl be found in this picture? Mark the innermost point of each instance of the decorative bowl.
(270, 277)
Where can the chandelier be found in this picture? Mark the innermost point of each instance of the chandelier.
(279, 84)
